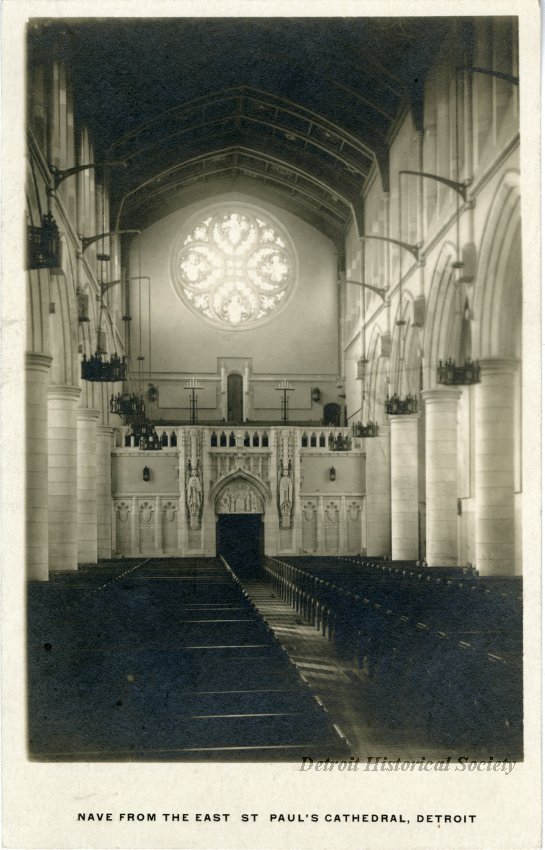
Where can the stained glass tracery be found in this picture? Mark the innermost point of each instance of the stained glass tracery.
(235, 267)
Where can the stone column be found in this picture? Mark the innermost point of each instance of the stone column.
(104, 491)
(63, 477)
(37, 375)
(404, 478)
(378, 513)
(87, 485)
(441, 476)
(494, 468)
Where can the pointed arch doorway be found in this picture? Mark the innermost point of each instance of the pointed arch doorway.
(240, 531)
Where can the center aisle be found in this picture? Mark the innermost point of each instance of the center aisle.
(164, 659)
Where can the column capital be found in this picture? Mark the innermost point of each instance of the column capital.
(86, 414)
(105, 430)
(498, 364)
(65, 393)
(38, 362)
(438, 395)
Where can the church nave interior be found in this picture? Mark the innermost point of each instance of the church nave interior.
(273, 389)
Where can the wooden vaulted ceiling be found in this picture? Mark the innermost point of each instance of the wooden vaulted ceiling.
(295, 110)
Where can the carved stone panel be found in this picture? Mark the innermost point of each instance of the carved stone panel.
(170, 526)
(226, 463)
(310, 527)
(146, 512)
(353, 527)
(239, 497)
(123, 527)
(331, 527)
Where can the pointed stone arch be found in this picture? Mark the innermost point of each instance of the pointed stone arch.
(406, 360)
(240, 475)
(498, 284)
(63, 334)
(378, 374)
(444, 316)
(37, 279)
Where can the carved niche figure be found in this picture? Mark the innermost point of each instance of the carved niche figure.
(240, 501)
(194, 497)
(251, 502)
(238, 498)
(285, 497)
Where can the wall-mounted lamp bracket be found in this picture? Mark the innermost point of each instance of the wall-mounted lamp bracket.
(414, 249)
(88, 240)
(461, 188)
(490, 72)
(104, 287)
(377, 289)
(59, 174)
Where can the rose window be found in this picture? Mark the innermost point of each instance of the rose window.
(235, 267)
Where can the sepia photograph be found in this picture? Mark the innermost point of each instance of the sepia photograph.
(274, 401)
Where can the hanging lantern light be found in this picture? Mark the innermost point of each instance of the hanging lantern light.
(44, 245)
(128, 405)
(361, 430)
(83, 307)
(131, 405)
(362, 369)
(99, 367)
(396, 406)
(452, 375)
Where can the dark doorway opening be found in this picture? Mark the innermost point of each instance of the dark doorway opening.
(234, 398)
(332, 414)
(240, 539)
